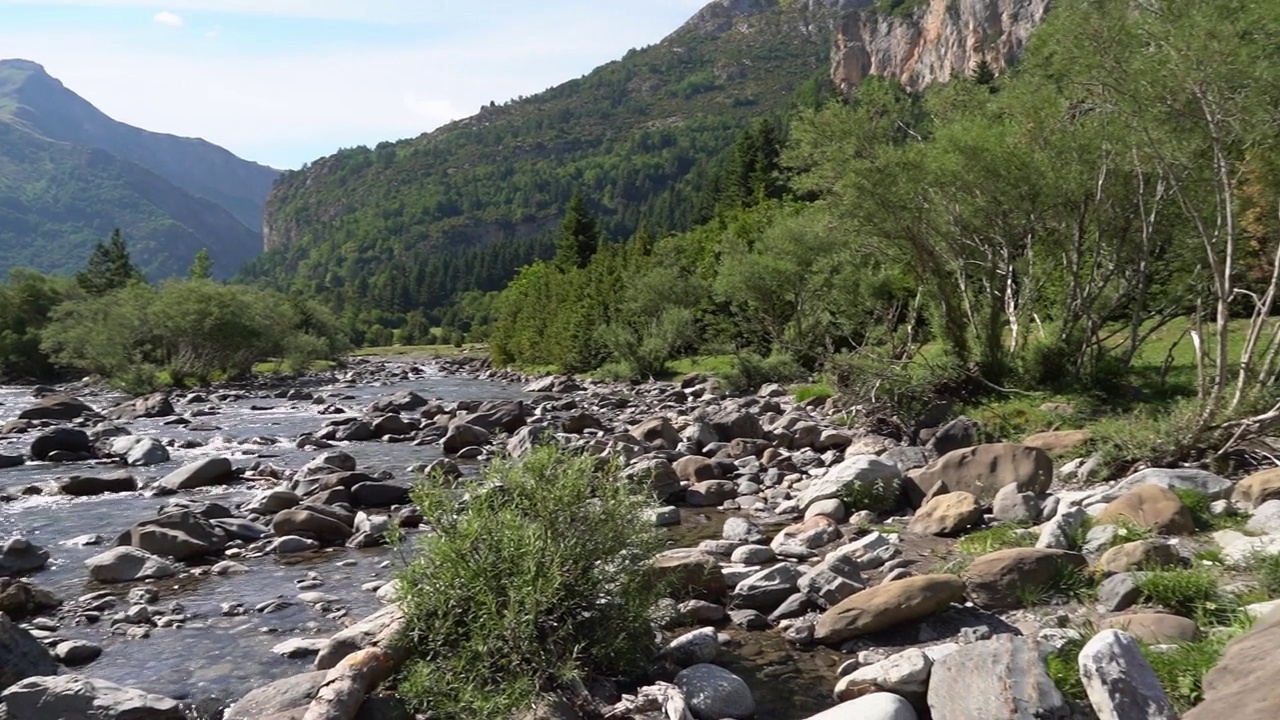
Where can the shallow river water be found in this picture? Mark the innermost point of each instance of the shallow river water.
(212, 655)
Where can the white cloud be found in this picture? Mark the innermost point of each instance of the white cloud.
(168, 19)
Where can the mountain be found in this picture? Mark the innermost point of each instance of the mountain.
(69, 174)
(405, 225)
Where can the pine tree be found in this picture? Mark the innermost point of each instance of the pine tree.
(202, 266)
(579, 235)
(109, 268)
(984, 74)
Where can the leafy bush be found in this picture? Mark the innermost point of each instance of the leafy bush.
(805, 393)
(751, 370)
(881, 495)
(1158, 436)
(648, 351)
(542, 576)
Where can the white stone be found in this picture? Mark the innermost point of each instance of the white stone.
(1119, 680)
(876, 706)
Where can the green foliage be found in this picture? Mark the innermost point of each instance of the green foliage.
(879, 496)
(1181, 669)
(26, 302)
(542, 576)
(1194, 593)
(1197, 503)
(1064, 669)
(1266, 571)
(579, 235)
(805, 393)
(188, 331)
(992, 539)
(750, 371)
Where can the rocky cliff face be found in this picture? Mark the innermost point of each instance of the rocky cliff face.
(927, 41)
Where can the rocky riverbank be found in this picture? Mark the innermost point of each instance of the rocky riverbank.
(825, 569)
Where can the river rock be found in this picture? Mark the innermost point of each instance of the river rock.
(11, 461)
(868, 472)
(19, 556)
(1119, 680)
(71, 696)
(128, 564)
(695, 469)
(462, 436)
(202, 473)
(742, 530)
(995, 581)
(19, 599)
(699, 646)
(733, 424)
(1119, 592)
(767, 589)
(1059, 442)
(357, 637)
(1154, 628)
(22, 656)
(657, 434)
(1003, 677)
(180, 535)
(982, 471)
(1258, 488)
(379, 494)
(311, 520)
(1216, 487)
(692, 574)
(56, 407)
(876, 706)
(1013, 506)
(947, 515)
(711, 493)
(401, 402)
(832, 580)
(905, 673)
(713, 693)
(238, 529)
(658, 473)
(1139, 555)
(60, 440)
(886, 606)
(525, 440)
(295, 691)
(1150, 506)
(156, 405)
(505, 416)
(74, 653)
(272, 502)
(87, 485)
(816, 532)
(292, 544)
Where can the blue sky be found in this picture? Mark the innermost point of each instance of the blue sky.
(284, 82)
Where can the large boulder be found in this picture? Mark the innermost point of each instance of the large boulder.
(1138, 555)
(730, 425)
(180, 535)
(947, 515)
(691, 574)
(1201, 481)
(1119, 680)
(905, 673)
(139, 451)
(56, 407)
(1059, 442)
(1003, 677)
(87, 485)
(657, 433)
(462, 436)
(282, 695)
(156, 405)
(1002, 579)
(201, 473)
(19, 599)
(70, 697)
(494, 416)
(19, 556)
(358, 636)
(22, 656)
(982, 470)
(311, 520)
(128, 564)
(768, 588)
(713, 693)
(816, 532)
(696, 469)
(379, 494)
(1150, 506)
(876, 706)
(860, 475)
(1258, 488)
(1155, 628)
(1242, 685)
(886, 606)
(68, 440)
(403, 401)
(658, 473)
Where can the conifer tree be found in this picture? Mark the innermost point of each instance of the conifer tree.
(110, 268)
(579, 235)
(202, 266)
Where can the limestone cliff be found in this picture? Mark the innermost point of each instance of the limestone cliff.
(921, 42)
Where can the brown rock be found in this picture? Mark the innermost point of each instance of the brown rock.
(1242, 685)
(693, 575)
(1258, 488)
(818, 531)
(657, 433)
(710, 493)
(1151, 506)
(1140, 555)
(1154, 627)
(982, 470)
(1058, 442)
(946, 515)
(694, 469)
(886, 606)
(995, 581)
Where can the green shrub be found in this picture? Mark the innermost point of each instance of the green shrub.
(543, 576)
(881, 495)
(1194, 593)
(805, 393)
(1198, 503)
(751, 370)
(1181, 669)
(1064, 669)
(1266, 570)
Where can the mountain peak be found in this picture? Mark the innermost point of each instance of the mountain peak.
(721, 16)
(22, 65)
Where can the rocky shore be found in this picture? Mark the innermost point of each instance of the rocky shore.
(827, 566)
